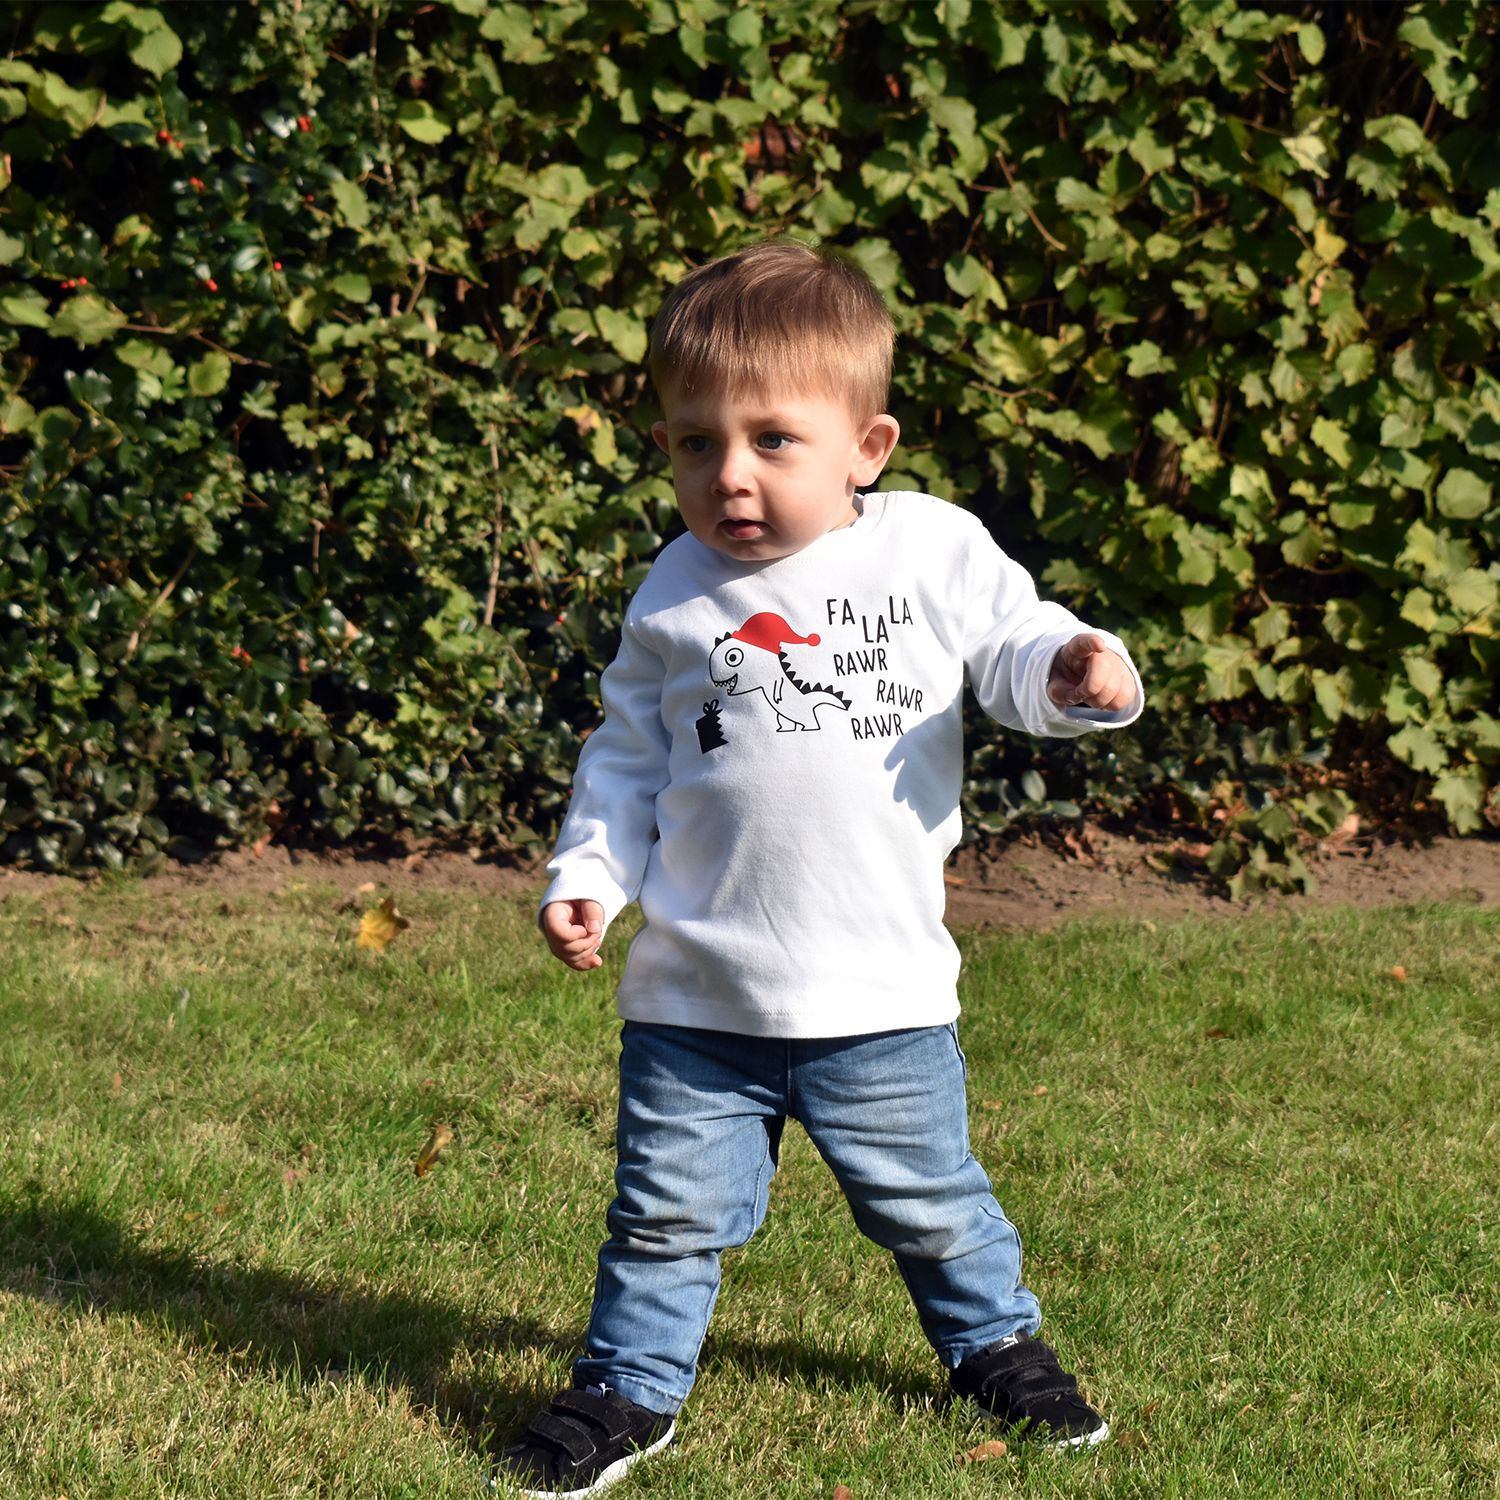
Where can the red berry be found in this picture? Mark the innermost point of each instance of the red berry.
(164, 135)
(188, 496)
(309, 197)
(67, 286)
(212, 285)
(303, 123)
(275, 265)
(196, 183)
(83, 281)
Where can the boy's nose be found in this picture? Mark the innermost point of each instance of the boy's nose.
(731, 475)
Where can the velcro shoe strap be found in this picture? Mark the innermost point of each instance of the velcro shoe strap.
(569, 1437)
(1030, 1367)
(1039, 1381)
(595, 1410)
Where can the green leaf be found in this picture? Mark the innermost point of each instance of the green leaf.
(513, 27)
(1444, 65)
(349, 198)
(744, 27)
(879, 261)
(1308, 151)
(87, 320)
(1472, 592)
(1356, 363)
(422, 122)
(157, 51)
(352, 286)
(55, 100)
(1305, 548)
(1461, 791)
(1400, 134)
(1310, 43)
(1351, 515)
(209, 375)
(1147, 358)
(142, 354)
(1331, 437)
(1463, 495)
(17, 415)
(625, 332)
(1378, 170)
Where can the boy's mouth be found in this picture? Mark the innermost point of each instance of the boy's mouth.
(742, 531)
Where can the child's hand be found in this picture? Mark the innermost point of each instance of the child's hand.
(1086, 672)
(574, 930)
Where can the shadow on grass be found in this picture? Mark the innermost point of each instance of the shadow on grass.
(309, 1329)
(70, 1253)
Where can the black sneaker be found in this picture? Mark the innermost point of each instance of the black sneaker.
(1020, 1383)
(581, 1444)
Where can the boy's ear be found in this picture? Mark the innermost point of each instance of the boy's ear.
(659, 432)
(875, 447)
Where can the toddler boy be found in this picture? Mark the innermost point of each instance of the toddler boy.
(777, 782)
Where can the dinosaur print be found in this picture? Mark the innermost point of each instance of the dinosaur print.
(750, 660)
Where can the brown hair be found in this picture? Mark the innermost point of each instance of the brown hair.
(774, 315)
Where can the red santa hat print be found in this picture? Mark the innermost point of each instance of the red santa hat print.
(770, 632)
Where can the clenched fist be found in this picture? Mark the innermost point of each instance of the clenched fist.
(574, 930)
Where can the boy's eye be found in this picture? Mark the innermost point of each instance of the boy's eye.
(775, 441)
(696, 443)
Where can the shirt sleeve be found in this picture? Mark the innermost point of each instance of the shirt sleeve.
(607, 835)
(1010, 639)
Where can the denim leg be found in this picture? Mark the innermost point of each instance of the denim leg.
(888, 1114)
(699, 1127)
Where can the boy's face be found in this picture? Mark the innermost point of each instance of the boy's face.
(763, 475)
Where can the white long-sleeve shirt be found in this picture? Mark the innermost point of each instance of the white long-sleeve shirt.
(777, 775)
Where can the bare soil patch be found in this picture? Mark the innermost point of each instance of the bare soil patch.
(1029, 882)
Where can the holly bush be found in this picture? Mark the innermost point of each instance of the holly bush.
(325, 457)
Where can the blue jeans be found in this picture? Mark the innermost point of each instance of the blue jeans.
(701, 1115)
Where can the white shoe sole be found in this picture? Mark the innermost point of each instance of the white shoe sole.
(612, 1475)
(1083, 1440)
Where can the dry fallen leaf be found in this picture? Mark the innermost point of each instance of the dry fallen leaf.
(1039, 1090)
(1150, 1409)
(427, 1085)
(441, 1136)
(1215, 1034)
(117, 1083)
(380, 924)
(842, 1492)
(992, 1449)
(290, 1176)
(994, 1104)
(413, 860)
(1132, 1440)
(1398, 971)
(954, 880)
(369, 885)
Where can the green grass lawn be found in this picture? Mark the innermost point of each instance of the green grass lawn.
(1255, 1174)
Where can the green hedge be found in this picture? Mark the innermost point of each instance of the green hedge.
(324, 457)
